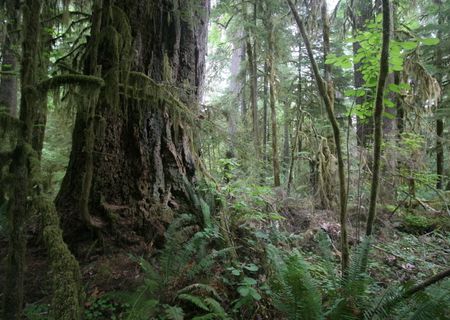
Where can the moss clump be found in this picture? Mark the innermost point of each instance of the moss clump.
(68, 294)
(417, 224)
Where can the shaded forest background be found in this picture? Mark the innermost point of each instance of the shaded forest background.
(197, 159)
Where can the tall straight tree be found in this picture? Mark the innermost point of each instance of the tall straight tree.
(378, 116)
(440, 121)
(133, 161)
(253, 73)
(272, 95)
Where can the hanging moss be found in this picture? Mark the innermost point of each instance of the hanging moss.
(70, 79)
(148, 89)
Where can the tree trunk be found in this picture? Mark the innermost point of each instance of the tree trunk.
(362, 12)
(137, 139)
(8, 83)
(440, 121)
(251, 54)
(387, 194)
(271, 64)
(378, 117)
(235, 88)
(265, 106)
(18, 210)
(328, 100)
(286, 142)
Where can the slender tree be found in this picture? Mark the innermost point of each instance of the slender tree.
(326, 94)
(378, 116)
(440, 121)
(273, 110)
(253, 74)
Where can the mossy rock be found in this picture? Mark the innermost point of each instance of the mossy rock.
(420, 224)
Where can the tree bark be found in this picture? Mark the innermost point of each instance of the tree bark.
(235, 88)
(8, 82)
(18, 210)
(265, 111)
(286, 142)
(252, 67)
(271, 65)
(138, 137)
(378, 117)
(440, 121)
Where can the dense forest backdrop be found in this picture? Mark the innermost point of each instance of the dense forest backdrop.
(224, 159)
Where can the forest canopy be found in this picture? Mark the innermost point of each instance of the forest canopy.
(224, 159)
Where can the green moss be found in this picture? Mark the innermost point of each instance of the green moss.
(9, 125)
(70, 79)
(419, 224)
(68, 296)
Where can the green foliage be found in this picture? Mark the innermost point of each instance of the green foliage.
(184, 259)
(295, 292)
(368, 58)
(36, 312)
(415, 223)
(104, 308)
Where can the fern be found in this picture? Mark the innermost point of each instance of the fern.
(353, 291)
(295, 292)
(173, 312)
(209, 316)
(216, 308)
(185, 255)
(197, 301)
(200, 287)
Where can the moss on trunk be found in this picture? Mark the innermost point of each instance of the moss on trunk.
(137, 141)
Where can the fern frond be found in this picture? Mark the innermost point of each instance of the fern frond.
(209, 316)
(173, 312)
(207, 262)
(295, 292)
(201, 287)
(327, 256)
(195, 300)
(216, 308)
(383, 306)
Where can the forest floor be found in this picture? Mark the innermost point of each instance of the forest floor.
(403, 250)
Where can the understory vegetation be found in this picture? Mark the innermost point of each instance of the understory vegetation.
(224, 159)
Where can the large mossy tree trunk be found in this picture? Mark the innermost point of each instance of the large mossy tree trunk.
(132, 158)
